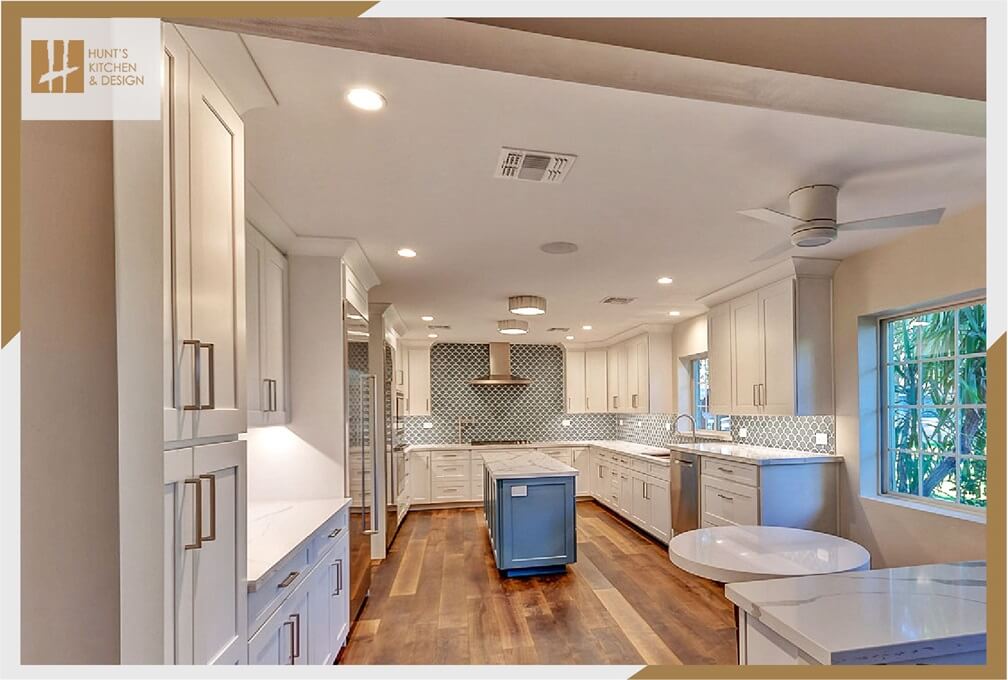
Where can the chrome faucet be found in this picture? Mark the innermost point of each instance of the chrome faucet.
(461, 422)
(692, 421)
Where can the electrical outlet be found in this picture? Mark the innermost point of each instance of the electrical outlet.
(743, 433)
(428, 426)
(621, 421)
(668, 427)
(821, 439)
(565, 423)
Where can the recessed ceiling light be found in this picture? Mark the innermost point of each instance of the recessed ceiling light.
(527, 305)
(427, 317)
(586, 328)
(366, 99)
(674, 312)
(406, 252)
(512, 327)
(665, 280)
(432, 335)
(570, 337)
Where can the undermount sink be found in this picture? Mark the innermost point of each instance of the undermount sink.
(660, 455)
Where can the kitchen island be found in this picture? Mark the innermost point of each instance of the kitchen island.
(530, 514)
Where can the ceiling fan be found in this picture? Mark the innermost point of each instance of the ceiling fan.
(811, 216)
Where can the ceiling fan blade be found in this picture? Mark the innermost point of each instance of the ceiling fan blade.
(778, 249)
(772, 216)
(914, 219)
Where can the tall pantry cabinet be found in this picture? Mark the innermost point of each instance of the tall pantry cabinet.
(204, 399)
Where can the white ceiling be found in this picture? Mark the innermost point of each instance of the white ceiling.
(654, 190)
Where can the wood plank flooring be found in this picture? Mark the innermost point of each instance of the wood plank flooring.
(438, 599)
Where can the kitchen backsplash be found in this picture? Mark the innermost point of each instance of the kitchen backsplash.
(536, 411)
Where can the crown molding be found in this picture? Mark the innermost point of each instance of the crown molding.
(811, 267)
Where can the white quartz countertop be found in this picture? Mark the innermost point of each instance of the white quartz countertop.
(758, 455)
(523, 464)
(750, 553)
(872, 617)
(616, 446)
(278, 528)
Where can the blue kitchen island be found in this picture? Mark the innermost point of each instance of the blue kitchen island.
(529, 507)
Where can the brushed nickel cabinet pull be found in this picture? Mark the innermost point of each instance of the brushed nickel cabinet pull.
(197, 391)
(339, 575)
(289, 580)
(615, 402)
(297, 635)
(197, 515)
(209, 346)
(266, 382)
(727, 498)
(335, 532)
(213, 507)
(762, 392)
(291, 657)
(755, 402)
(724, 469)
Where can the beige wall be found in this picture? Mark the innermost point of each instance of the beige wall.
(69, 447)
(928, 265)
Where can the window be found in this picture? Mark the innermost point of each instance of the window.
(934, 394)
(705, 420)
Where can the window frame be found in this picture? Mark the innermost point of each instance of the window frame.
(693, 410)
(884, 450)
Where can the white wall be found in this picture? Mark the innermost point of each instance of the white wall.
(929, 265)
(689, 338)
(306, 458)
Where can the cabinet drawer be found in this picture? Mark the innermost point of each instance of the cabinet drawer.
(448, 456)
(728, 503)
(447, 470)
(262, 602)
(738, 472)
(331, 533)
(455, 490)
(658, 470)
(639, 465)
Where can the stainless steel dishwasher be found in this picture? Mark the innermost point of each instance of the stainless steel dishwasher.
(684, 491)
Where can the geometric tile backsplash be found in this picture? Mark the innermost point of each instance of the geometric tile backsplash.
(535, 411)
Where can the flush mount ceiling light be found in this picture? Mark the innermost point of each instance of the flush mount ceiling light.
(586, 328)
(559, 248)
(527, 305)
(512, 327)
(665, 280)
(426, 317)
(674, 312)
(406, 252)
(366, 99)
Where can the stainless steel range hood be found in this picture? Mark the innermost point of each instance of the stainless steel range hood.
(500, 368)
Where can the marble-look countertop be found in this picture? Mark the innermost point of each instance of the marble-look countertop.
(757, 455)
(651, 453)
(523, 464)
(751, 553)
(872, 617)
(278, 528)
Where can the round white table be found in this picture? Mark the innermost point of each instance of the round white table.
(733, 554)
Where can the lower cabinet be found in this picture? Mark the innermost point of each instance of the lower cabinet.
(283, 639)
(634, 488)
(420, 477)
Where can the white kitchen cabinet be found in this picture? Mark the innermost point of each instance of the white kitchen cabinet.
(747, 351)
(616, 379)
(418, 376)
(581, 459)
(205, 544)
(339, 598)
(660, 521)
(599, 479)
(266, 279)
(318, 626)
(595, 380)
(574, 381)
(640, 505)
(420, 476)
(640, 375)
(635, 488)
(204, 242)
(637, 374)
(719, 359)
(283, 639)
(777, 351)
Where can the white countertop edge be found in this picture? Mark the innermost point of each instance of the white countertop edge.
(254, 584)
(608, 445)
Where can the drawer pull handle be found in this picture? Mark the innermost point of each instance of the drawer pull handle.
(727, 498)
(291, 656)
(339, 576)
(198, 515)
(289, 580)
(336, 532)
(213, 508)
(297, 636)
(728, 470)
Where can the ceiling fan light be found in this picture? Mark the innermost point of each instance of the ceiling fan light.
(814, 235)
(527, 305)
(512, 327)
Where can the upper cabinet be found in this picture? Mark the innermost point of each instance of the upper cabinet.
(770, 351)
(204, 242)
(585, 376)
(416, 365)
(266, 324)
(632, 376)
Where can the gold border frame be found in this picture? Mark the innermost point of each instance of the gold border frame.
(10, 169)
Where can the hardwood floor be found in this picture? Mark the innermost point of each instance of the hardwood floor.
(438, 599)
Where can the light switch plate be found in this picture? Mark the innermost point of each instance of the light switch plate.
(821, 439)
(565, 423)
(428, 426)
(519, 491)
(743, 433)
(668, 427)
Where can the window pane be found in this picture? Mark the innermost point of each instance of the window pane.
(973, 480)
(723, 423)
(973, 380)
(973, 431)
(902, 340)
(937, 333)
(903, 472)
(938, 429)
(902, 381)
(903, 430)
(938, 477)
(937, 382)
(973, 329)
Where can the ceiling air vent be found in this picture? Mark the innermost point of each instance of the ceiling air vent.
(534, 166)
(615, 300)
(438, 327)
(557, 329)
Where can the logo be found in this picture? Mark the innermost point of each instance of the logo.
(57, 66)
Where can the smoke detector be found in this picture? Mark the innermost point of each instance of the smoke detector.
(534, 166)
(615, 300)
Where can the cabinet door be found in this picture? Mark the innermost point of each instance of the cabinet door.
(216, 256)
(629, 377)
(257, 390)
(776, 393)
(219, 590)
(574, 378)
(616, 378)
(274, 340)
(595, 381)
(318, 626)
(637, 374)
(420, 476)
(418, 394)
(339, 600)
(582, 463)
(625, 501)
(180, 491)
(640, 505)
(747, 350)
(178, 355)
(661, 508)
(283, 639)
(719, 359)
